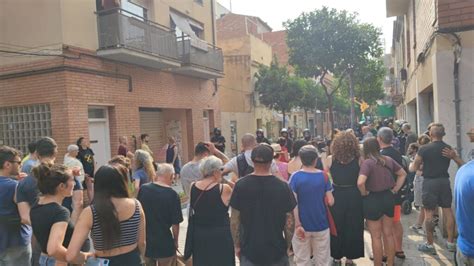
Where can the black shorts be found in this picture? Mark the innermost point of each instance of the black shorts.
(436, 192)
(378, 204)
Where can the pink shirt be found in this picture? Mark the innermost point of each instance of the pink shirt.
(283, 168)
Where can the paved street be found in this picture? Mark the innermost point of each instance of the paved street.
(410, 242)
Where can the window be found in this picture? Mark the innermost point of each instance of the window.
(21, 125)
(186, 26)
(96, 113)
(201, 2)
(134, 9)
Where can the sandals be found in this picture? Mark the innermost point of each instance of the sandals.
(384, 258)
(400, 255)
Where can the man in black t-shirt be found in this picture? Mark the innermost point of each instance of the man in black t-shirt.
(86, 156)
(262, 210)
(162, 208)
(385, 137)
(436, 191)
(218, 139)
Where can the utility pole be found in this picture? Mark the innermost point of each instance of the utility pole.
(351, 92)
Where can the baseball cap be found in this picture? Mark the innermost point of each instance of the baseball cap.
(263, 153)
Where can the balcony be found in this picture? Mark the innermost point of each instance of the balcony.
(396, 7)
(126, 37)
(205, 61)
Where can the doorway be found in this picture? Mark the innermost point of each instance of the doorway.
(99, 135)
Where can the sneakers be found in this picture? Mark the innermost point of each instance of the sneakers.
(451, 247)
(427, 248)
(417, 229)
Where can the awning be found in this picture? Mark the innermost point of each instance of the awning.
(185, 26)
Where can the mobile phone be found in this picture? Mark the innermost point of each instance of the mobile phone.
(97, 262)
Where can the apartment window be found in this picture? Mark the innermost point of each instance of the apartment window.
(186, 26)
(134, 10)
(21, 125)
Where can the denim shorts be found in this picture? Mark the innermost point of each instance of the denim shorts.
(46, 260)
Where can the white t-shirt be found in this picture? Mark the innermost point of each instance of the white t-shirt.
(71, 163)
(232, 164)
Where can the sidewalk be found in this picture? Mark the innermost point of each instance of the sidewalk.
(410, 242)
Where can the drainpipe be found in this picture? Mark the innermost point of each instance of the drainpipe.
(457, 49)
(213, 23)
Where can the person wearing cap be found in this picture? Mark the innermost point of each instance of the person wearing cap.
(310, 187)
(282, 166)
(262, 213)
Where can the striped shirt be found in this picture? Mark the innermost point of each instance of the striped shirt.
(128, 230)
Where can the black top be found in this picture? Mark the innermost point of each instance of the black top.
(397, 157)
(263, 202)
(162, 209)
(220, 140)
(209, 210)
(262, 140)
(170, 153)
(435, 165)
(43, 217)
(392, 153)
(345, 175)
(87, 159)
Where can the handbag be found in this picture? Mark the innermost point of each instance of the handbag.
(332, 224)
(188, 246)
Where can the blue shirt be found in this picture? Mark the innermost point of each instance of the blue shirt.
(141, 175)
(27, 190)
(28, 165)
(310, 189)
(12, 232)
(464, 198)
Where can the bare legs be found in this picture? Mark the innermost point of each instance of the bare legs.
(383, 226)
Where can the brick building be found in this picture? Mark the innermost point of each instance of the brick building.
(431, 71)
(76, 68)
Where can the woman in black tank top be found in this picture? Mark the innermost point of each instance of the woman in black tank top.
(347, 210)
(212, 243)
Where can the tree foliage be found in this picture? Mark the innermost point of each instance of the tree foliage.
(276, 88)
(368, 81)
(331, 42)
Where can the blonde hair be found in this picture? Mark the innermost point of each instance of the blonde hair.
(144, 160)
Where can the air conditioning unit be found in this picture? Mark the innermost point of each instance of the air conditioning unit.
(403, 74)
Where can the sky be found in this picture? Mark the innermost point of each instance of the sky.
(275, 12)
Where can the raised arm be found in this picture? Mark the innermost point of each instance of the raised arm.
(453, 155)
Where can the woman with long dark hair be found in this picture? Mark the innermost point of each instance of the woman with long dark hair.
(116, 221)
(343, 164)
(377, 186)
(51, 222)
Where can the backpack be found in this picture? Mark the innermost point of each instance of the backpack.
(242, 165)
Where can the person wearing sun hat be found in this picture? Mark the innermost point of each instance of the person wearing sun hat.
(282, 166)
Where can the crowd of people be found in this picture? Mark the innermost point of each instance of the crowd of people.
(304, 198)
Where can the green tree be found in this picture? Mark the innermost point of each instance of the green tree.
(276, 89)
(312, 96)
(330, 42)
(368, 81)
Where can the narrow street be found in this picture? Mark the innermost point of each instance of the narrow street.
(410, 241)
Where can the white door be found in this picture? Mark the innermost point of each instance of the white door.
(99, 135)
